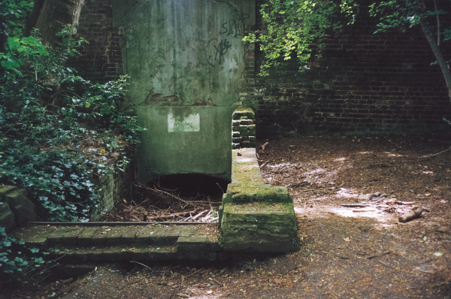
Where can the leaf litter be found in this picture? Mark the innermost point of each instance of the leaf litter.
(348, 195)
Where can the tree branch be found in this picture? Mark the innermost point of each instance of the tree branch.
(438, 55)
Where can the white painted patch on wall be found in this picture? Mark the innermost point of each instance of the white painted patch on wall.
(189, 123)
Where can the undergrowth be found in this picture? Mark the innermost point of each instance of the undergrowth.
(57, 130)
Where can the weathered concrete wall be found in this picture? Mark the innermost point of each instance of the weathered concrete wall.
(184, 54)
(187, 139)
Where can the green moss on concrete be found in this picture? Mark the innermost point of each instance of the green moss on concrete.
(259, 226)
(5, 190)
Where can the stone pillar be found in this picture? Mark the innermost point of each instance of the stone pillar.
(255, 216)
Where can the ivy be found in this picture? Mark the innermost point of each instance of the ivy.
(57, 130)
(17, 260)
(292, 27)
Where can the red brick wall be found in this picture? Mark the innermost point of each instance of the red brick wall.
(101, 59)
(365, 83)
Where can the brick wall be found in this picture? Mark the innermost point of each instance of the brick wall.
(114, 187)
(101, 59)
(365, 83)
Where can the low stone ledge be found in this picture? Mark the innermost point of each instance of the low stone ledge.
(255, 216)
(15, 207)
(107, 243)
(6, 217)
(249, 192)
(261, 227)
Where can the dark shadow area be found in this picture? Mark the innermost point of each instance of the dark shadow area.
(192, 185)
(173, 198)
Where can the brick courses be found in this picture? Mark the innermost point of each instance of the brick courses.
(365, 83)
(101, 59)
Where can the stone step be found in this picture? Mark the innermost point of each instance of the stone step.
(260, 226)
(108, 243)
(243, 111)
(255, 216)
(256, 192)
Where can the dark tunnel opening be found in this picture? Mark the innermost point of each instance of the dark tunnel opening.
(192, 185)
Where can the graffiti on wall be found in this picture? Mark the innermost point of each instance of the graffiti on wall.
(234, 27)
(218, 48)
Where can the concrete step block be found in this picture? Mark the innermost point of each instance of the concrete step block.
(7, 219)
(238, 192)
(65, 235)
(260, 227)
(21, 206)
(34, 236)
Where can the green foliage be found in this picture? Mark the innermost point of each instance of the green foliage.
(57, 130)
(403, 13)
(18, 260)
(12, 16)
(294, 26)
(59, 181)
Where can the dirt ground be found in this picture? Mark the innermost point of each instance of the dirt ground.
(360, 250)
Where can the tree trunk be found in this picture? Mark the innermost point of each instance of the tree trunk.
(50, 16)
(438, 55)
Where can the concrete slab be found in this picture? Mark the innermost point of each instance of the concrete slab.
(85, 237)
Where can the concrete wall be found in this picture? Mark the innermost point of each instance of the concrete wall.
(187, 55)
(364, 84)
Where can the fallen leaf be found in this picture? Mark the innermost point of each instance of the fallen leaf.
(278, 281)
(444, 229)
(438, 253)
(347, 239)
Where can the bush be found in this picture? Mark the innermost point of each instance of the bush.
(18, 260)
(57, 130)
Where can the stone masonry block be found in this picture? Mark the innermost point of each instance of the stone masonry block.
(129, 235)
(114, 236)
(21, 206)
(145, 234)
(6, 217)
(197, 243)
(5, 190)
(99, 236)
(35, 236)
(59, 235)
(259, 227)
(85, 237)
(71, 237)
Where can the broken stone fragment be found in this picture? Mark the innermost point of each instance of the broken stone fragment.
(415, 213)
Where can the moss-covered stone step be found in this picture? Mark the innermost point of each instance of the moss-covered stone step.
(243, 111)
(85, 235)
(245, 167)
(251, 192)
(265, 227)
(192, 247)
